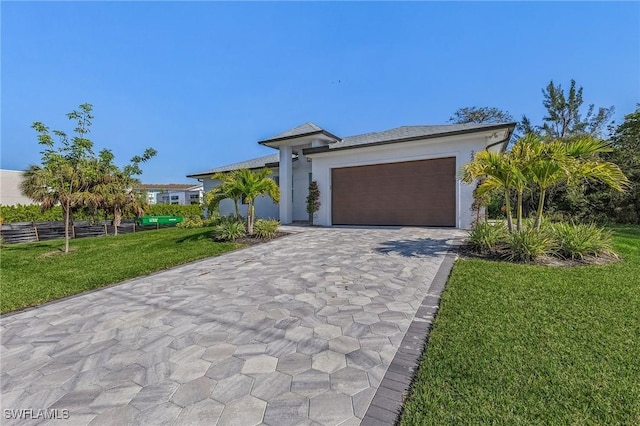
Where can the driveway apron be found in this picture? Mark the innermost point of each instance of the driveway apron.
(300, 330)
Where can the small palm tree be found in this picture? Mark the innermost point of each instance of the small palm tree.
(499, 173)
(252, 185)
(558, 161)
(246, 184)
(226, 189)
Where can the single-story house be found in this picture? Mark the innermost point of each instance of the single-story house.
(402, 176)
(172, 193)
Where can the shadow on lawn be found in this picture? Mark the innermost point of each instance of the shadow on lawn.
(204, 235)
(423, 247)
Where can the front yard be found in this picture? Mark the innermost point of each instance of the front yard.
(521, 344)
(35, 273)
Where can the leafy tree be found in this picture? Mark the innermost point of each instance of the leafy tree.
(564, 113)
(62, 177)
(71, 175)
(621, 207)
(626, 144)
(480, 115)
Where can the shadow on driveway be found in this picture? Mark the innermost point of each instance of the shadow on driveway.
(423, 247)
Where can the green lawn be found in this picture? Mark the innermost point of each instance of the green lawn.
(30, 274)
(517, 344)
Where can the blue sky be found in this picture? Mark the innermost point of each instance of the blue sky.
(202, 82)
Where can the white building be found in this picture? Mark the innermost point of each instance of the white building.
(10, 194)
(405, 176)
(172, 193)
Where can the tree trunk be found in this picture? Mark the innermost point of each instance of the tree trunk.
(235, 203)
(507, 199)
(540, 207)
(66, 225)
(519, 212)
(250, 217)
(117, 218)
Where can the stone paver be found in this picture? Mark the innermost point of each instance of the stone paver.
(301, 330)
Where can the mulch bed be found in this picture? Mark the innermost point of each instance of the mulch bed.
(501, 255)
(252, 241)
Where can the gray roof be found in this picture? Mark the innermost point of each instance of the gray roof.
(256, 163)
(399, 134)
(410, 132)
(303, 130)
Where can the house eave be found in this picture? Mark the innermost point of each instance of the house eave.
(324, 149)
(276, 142)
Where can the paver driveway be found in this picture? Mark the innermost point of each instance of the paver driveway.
(296, 331)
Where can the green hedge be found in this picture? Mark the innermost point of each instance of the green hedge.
(32, 213)
(191, 211)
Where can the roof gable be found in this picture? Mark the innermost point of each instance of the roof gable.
(306, 129)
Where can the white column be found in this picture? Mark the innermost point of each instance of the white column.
(286, 180)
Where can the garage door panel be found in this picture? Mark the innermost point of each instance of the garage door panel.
(420, 193)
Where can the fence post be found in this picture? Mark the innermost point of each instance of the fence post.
(73, 230)
(106, 233)
(35, 228)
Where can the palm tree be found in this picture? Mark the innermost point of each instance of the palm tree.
(557, 161)
(112, 189)
(246, 184)
(499, 173)
(58, 182)
(226, 189)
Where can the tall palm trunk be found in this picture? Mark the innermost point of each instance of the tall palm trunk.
(507, 198)
(540, 207)
(235, 202)
(519, 212)
(250, 212)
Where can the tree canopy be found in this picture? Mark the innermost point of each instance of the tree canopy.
(70, 174)
(480, 115)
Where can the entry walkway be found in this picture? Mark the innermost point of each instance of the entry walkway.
(300, 330)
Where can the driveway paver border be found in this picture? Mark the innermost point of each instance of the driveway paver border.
(387, 403)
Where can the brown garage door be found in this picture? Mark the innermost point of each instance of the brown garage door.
(418, 193)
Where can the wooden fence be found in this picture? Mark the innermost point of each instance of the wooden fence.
(24, 232)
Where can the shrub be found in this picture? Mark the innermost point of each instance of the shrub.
(230, 218)
(189, 223)
(190, 211)
(529, 244)
(577, 241)
(229, 231)
(266, 228)
(484, 236)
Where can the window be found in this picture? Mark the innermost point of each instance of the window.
(194, 197)
(174, 198)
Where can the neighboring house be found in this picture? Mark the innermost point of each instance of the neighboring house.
(403, 176)
(172, 193)
(10, 194)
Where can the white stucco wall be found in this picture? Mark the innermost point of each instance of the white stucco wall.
(10, 193)
(301, 170)
(460, 147)
(265, 208)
